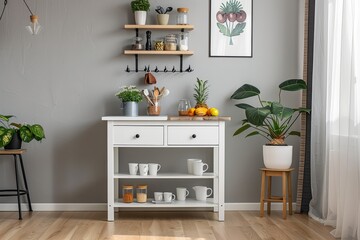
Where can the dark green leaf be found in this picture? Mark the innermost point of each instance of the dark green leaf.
(252, 134)
(294, 133)
(2, 130)
(280, 111)
(303, 110)
(293, 85)
(38, 131)
(244, 121)
(245, 91)
(244, 105)
(242, 129)
(223, 29)
(238, 29)
(5, 118)
(257, 116)
(26, 134)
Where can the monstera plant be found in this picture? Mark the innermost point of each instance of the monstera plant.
(272, 119)
(11, 131)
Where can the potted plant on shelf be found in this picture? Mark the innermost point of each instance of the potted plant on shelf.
(130, 97)
(12, 134)
(272, 121)
(163, 16)
(140, 8)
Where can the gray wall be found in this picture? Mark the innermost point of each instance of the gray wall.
(66, 77)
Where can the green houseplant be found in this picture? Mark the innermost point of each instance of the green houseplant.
(271, 120)
(130, 97)
(10, 132)
(140, 7)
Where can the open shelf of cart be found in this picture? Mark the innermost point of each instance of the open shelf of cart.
(175, 204)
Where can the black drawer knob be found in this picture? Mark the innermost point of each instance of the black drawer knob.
(193, 136)
(137, 135)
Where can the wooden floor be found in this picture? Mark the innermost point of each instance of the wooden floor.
(159, 225)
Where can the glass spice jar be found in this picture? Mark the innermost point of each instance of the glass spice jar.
(141, 193)
(170, 42)
(128, 193)
(182, 16)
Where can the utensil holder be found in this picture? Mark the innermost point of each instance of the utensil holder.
(154, 109)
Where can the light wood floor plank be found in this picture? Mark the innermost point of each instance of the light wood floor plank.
(239, 225)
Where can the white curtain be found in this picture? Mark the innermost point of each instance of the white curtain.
(335, 138)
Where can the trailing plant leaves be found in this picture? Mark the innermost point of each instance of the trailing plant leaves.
(252, 134)
(295, 133)
(244, 105)
(257, 116)
(280, 111)
(293, 85)
(242, 129)
(38, 131)
(239, 28)
(245, 91)
(223, 29)
(2, 130)
(26, 134)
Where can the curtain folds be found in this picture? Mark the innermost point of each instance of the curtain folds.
(335, 137)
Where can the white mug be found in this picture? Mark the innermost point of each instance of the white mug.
(181, 193)
(169, 196)
(154, 168)
(133, 168)
(158, 196)
(143, 169)
(198, 168)
(190, 164)
(201, 192)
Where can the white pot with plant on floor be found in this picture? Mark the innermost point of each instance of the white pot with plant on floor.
(140, 9)
(130, 96)
(271, 120)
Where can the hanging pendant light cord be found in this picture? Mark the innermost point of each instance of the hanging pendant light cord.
(27, 7)
(2, 12)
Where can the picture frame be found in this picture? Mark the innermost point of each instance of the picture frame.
(231, 28)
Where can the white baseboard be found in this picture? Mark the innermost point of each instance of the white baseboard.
(96, 207)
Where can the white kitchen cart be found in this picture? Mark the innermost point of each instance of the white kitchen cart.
(163, 132)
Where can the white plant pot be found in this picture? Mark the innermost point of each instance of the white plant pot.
(140, 17)
(277, 157)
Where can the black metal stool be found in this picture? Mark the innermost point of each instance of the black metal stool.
(8, 192)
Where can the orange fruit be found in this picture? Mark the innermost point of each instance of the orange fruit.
(201, 111)
(191, 112)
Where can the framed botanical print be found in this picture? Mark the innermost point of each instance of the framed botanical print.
(231, 28)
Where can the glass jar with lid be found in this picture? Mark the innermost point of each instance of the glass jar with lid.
(170, 42)
(128, 193)
(183, 41)
(141, 193)
(182, 16)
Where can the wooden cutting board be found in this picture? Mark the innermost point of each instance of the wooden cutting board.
(199, 118)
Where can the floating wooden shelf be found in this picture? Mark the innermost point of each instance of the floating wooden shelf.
(153, 52)
(159, 27)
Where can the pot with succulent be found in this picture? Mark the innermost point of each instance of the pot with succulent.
(130, 96)
(163, 16)
(272, 121)
(140, 8)
(13, 134)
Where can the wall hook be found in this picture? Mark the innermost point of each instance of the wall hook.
(165, 69)
(148, 69)
(156, 69)
(145, 69)
(189, 69)
(173, 70)
(127, 68)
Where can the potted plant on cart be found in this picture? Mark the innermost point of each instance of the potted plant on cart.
(13, 134)
(271, 120)
(140, 8)
(130, 96)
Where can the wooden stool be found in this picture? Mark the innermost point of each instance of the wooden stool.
(286, 183)
(8, 192)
